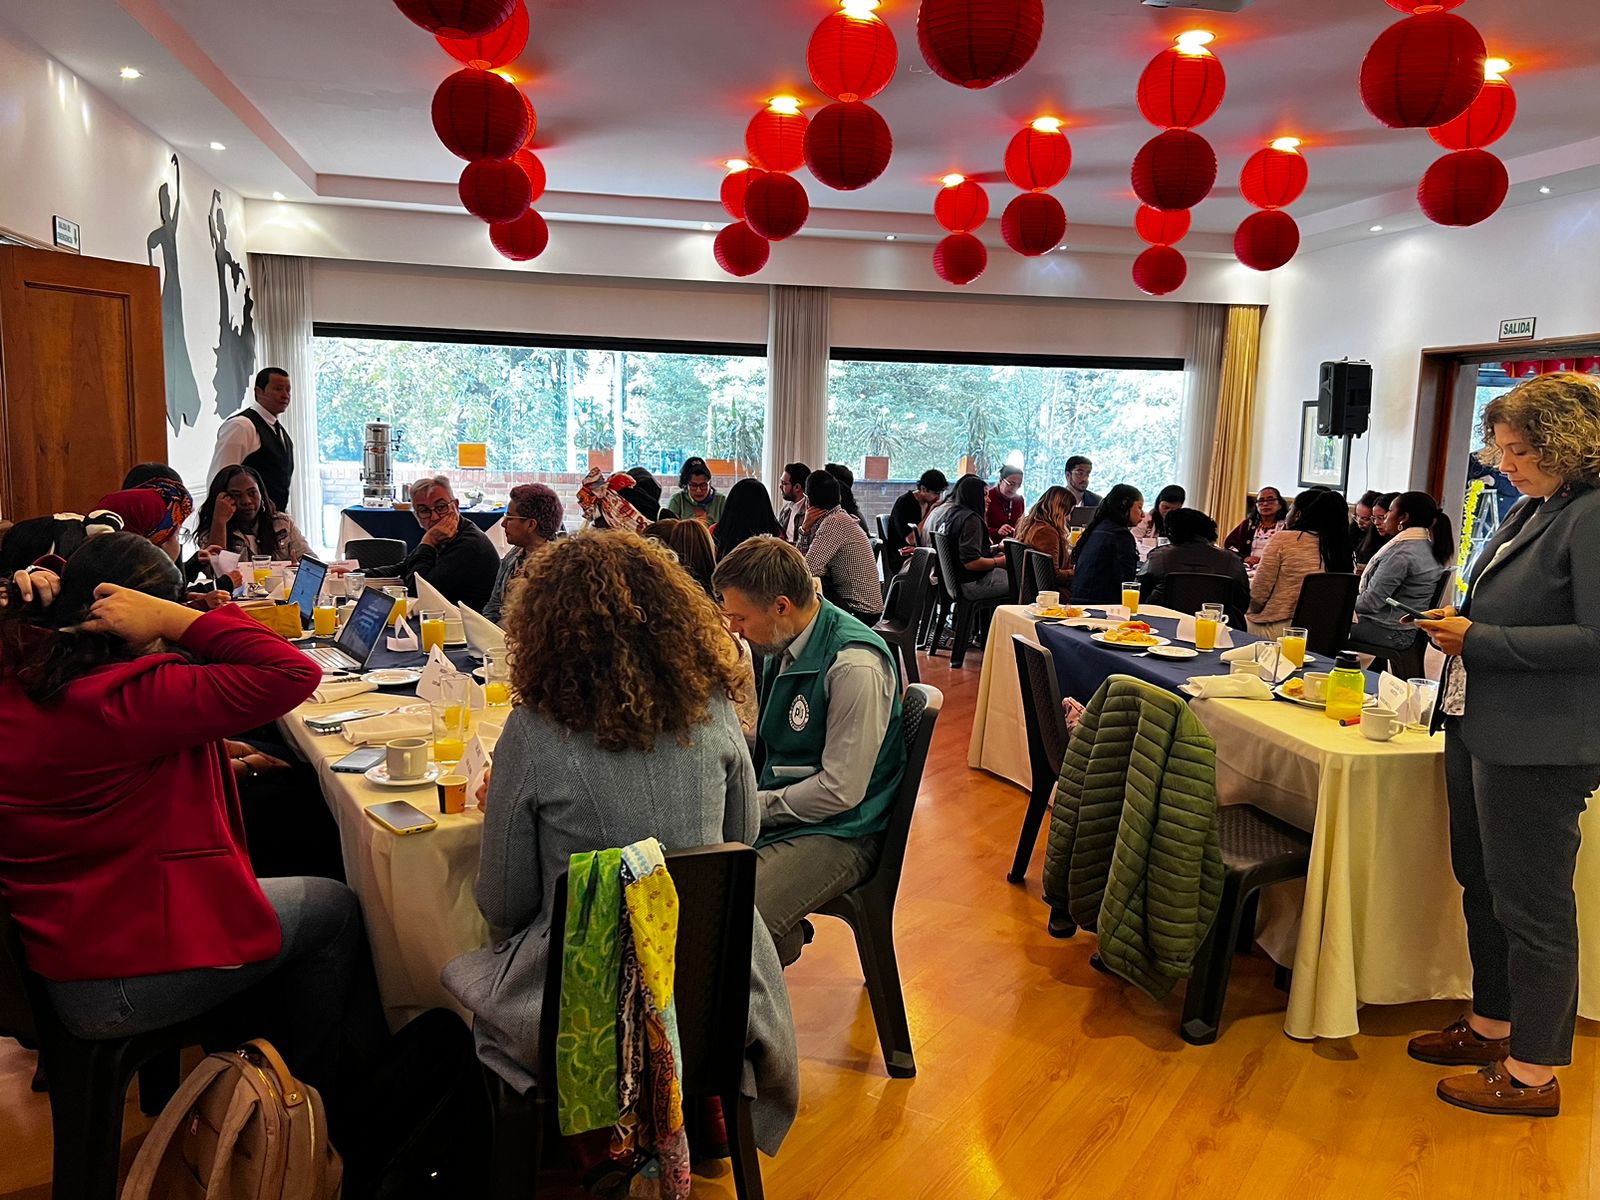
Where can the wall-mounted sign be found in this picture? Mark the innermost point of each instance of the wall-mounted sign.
(472, 455)
(1517, 329)
(67, 235)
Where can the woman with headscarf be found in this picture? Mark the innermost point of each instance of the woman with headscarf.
(613, 502)
(155, 510)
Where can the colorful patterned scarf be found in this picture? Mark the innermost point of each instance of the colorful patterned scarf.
(154, 510)
(586, 1033)
(601, 498)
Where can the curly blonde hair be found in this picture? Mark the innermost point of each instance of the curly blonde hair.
(1559, 415)
(609, 634)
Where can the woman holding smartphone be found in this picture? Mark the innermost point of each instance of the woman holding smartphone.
(1522, 748)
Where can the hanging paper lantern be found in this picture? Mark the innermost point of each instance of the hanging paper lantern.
(962, 206)
(776, 137)
(495, 190)
(1175, 169)
(775, 206)
(495, 48)
(1423, 71)
(1413, 6)
(1159, 271)
(478, 115)
(1587, 366)
(847, 145)
(458, 18)
(734, 187)
(740, 250)
(1555, 366)
(522, 239)
(1266, 240)
(1034, 223)
(1162, 228)
(852, 56)
(978, 43)
(1463, 188)
(959, 259)
(1485, 122)
(534, 170)
(1182, 87)
(1274, 178)
(1039, 156)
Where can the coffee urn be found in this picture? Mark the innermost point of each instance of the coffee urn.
(377, 465)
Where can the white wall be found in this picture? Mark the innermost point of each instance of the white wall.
(1389, 298)
(65, 149)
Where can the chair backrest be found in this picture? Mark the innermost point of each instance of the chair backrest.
(716, 888)
(1186, 591)
(375, 552)
(909, 589)
(1039, 575)
(1325, 609)
(888, 556)
(919, 713)
(950, 572)
(1041, 709)
(1016, 554)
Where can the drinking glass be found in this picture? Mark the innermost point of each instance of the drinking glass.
(1427, 692)
(355, 582)
(451, 714)
(398, 592)
(1130, 597)
(432, 629)
(1207, 622)
(324, 620)
(1293, 645)
(496, 681)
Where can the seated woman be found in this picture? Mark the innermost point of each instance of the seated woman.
(1408, 568)
(1168, 501)
(961, 519)
(1106, 556)
(1045, 528)
(837, 550)
(157, 510)
(747, 514)
(1192, 550)
(624, 729)
(1375, 539)
(1004, 508)
(121, 846)
(691, 542)
(1317, 539)
(238, 516)
(1250, 537)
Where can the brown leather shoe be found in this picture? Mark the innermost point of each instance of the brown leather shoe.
(1491, 1090)
(1458, 1046)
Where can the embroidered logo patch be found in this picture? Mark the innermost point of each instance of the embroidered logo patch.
(799, 714)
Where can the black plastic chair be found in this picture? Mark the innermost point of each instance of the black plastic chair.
(1038, 575)
(1016, 570)
(965, 612)
(1412, 662)
(716, 888)
(1047, 742)
(902, 611)
(376, 552)
(1325, 609)
(1186, 591)
(868, 908)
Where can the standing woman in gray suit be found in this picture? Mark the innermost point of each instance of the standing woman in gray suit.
(1520, 708)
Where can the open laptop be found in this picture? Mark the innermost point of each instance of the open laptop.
(360, 634)
(1081, 516)
(307, 587)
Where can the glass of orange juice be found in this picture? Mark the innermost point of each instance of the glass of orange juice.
(324, 620)
(451, 713)
(1206, 623)
(432, 630)
(398, 613)
(1130, 597)
(1293, 645)
(496, 681)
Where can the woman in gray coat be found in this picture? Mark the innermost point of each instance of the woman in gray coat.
(624, 729)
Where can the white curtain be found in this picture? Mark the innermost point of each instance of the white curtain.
(797, 380)
(283, 339)
(1202, 381)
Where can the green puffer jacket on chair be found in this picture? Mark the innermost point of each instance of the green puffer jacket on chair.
(1133, 851)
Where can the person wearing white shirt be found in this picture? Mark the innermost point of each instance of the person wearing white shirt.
(255, 437)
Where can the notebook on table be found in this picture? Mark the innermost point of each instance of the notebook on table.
(359, 636)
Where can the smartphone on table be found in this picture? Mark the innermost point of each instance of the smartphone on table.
(399, 817)
(359, 762)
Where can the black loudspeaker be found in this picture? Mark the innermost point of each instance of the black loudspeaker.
(1344, 398)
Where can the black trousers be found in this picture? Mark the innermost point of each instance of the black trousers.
(1514, 848)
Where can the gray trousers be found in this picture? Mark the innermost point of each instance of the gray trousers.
(1514, 848)
(796, 877)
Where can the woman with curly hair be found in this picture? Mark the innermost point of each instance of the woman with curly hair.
(1522, 748)
(624, 729)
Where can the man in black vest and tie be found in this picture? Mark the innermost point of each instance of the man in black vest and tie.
(255, 437)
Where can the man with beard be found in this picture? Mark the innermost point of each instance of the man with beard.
(792, 488)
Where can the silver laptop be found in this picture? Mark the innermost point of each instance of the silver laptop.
(359, 636)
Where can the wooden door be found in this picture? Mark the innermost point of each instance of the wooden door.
(82, 393)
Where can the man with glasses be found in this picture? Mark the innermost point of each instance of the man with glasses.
(455, 556)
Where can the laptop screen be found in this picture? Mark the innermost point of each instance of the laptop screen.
(366, 624)
(308, 586)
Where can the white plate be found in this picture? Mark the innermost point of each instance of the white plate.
(387, 677)
(1174, 652)
(1370, 701)
(380, 776)
(1101, 638)
(477, 673)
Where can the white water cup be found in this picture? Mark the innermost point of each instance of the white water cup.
(1379, 724)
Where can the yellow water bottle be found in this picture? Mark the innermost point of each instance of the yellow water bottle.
(1346, 689)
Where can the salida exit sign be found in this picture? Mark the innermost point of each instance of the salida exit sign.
(1517, 329)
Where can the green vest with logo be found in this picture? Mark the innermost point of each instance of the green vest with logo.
(794, 723)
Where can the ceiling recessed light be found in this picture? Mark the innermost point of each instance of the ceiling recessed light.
(131, 73)
(705, 226)
(1286, 143)
(279, 196)
(888, 237)
(1544, 191)
(1376, 229)
(218, 146)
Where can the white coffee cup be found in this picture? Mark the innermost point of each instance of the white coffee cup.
(1316, 683)
(407, 758)
(1246, 667)
(1049, 599)
(1379, 724)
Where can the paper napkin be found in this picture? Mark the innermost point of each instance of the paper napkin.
(334, 689)
(402, 638)
(1186, 633)
(429, 598)
(481, 633)
(375, 731)
(1229, 687)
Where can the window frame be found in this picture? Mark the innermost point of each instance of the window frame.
(551, 341)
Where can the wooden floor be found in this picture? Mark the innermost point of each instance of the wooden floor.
(1039, 1077)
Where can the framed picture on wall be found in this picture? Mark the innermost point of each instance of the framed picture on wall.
(1323, 460)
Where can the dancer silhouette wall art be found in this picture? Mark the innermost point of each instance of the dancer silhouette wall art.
(183, 395)
(236, 345)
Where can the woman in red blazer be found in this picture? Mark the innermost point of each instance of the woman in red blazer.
(122, 850)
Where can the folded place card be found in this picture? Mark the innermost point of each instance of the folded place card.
(1398, 696)
(403, 638)
(474, 765)
(431, 686)
(1267, 656)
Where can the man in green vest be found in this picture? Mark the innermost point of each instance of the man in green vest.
(829, 751)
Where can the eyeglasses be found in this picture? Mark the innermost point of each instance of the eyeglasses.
(442, 509)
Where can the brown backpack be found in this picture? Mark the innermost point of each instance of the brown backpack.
(241, 1127)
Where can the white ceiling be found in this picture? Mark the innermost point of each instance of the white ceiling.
(639, 101)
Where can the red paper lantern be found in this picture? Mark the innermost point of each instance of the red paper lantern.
(775, 206)
(1181, 88)
(1038, 158)
(1034, 223)
(776, 141)
(1160, 270)
(495, 190)
(1416, 6)
(1266, 240)
(959, 259)
(1162, 228)
(534, 170)
(740, 250)
(978, 43)
(1588, 366)
(1555, 366)
(734, 187)
(961, 207)
(1516, 370)
(1485, 122)
(1463, 188)
(847, 145)
(1274, 178)
(458, 18)
(522, 239)
(1175, 169)
(852, 57)
(478, 115)
(1423, 71)
(495, 48)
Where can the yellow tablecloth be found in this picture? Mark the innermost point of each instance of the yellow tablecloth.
(1378, 920)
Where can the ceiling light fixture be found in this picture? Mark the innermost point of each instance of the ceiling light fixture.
(859, 9)
(1047, 124)
(131, 73)
(787, 106)
(735, 165)
(218, 146)
(1496, 68)
(1194, 41)
(1544, 191)
(279, 196)
(1286, 143)
(888, 237)
(1376, 229)
(953, 180)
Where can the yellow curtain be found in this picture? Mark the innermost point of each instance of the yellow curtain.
(1236, 408)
